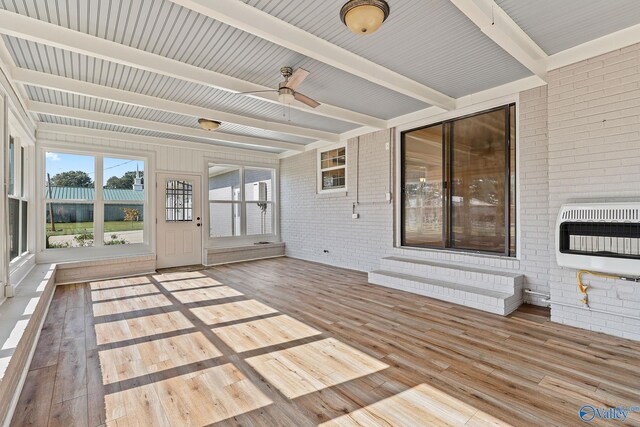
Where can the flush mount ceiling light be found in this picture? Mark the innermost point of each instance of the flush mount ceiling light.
(364, 16)
(207, 124)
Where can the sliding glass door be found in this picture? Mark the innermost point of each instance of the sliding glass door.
(458, 184)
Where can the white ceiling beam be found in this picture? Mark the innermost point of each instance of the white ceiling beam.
(20, 26)
(112, 119)
(254, 21)
(78, 87)
(605, 44)
(499, 27)
(44, 128)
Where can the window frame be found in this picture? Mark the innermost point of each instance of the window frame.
(21, 193)
(243, 238)
(98, 248)
(320, 170)
(511, 190)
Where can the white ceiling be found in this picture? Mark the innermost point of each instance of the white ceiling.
(431, 42)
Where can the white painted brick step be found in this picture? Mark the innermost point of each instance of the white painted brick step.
(488, 300)
(461, 274)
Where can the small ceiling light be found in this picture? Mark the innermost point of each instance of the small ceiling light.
(286, 95)
(364, 16)
(207, 124)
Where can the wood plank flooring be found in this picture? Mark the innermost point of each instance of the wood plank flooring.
(284, 342)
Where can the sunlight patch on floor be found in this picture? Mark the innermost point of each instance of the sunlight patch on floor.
(187, 284)
(126, 362)
(139, 327)
(420, 405)
(99, 295)
(127, 283)
(129, 305)
(202, 398)
(184, 276)
(232, 311)
(315, 366)
(205, 294)
(264, 332)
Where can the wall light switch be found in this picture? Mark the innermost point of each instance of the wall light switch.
(387, 197)
(355, 216)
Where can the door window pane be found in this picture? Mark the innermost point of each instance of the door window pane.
(69, 225)
(14, 228)
(225, 219)
(224, 182)
(258, 184)
(179, 200)
(478, 192)
(69, 176)
(423, 199)
(123, 224)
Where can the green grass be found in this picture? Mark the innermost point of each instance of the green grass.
(64, 229)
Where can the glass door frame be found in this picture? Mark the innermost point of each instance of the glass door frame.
(447, 179)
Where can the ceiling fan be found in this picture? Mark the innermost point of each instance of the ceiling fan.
(287, 93)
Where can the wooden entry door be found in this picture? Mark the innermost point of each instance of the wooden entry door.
(179, 213)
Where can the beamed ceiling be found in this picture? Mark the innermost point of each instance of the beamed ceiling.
(153, 67)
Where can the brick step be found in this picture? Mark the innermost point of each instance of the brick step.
(489, 300)
(465, 275)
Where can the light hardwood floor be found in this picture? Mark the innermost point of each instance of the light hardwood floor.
(293, 343)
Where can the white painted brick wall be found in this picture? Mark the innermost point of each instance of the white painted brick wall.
(534, 190)
(594, 154)
(311, 223)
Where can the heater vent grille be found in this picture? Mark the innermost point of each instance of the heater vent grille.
(602, 214)
(599, 237)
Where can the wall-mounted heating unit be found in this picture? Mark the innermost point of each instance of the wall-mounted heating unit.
(603, 237)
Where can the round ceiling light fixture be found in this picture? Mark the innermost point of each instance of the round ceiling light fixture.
(207, 124)
(364, 16)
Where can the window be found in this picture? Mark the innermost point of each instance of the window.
(241, 202)
(18, 204)
(80, 213)
(458, 184)
(332, 169)
(124, 196)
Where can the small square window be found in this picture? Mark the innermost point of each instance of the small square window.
(332, 169)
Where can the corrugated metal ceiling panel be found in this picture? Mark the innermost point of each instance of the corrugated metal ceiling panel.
(559, 25)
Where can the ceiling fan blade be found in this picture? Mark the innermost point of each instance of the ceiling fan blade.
(297, 78)
(257, 91)
(306, 100)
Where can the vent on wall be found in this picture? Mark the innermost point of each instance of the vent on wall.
(599, 237)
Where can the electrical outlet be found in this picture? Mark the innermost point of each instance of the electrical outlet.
(355, 216)
(386, 146)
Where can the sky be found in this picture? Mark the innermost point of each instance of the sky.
(61, 162)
